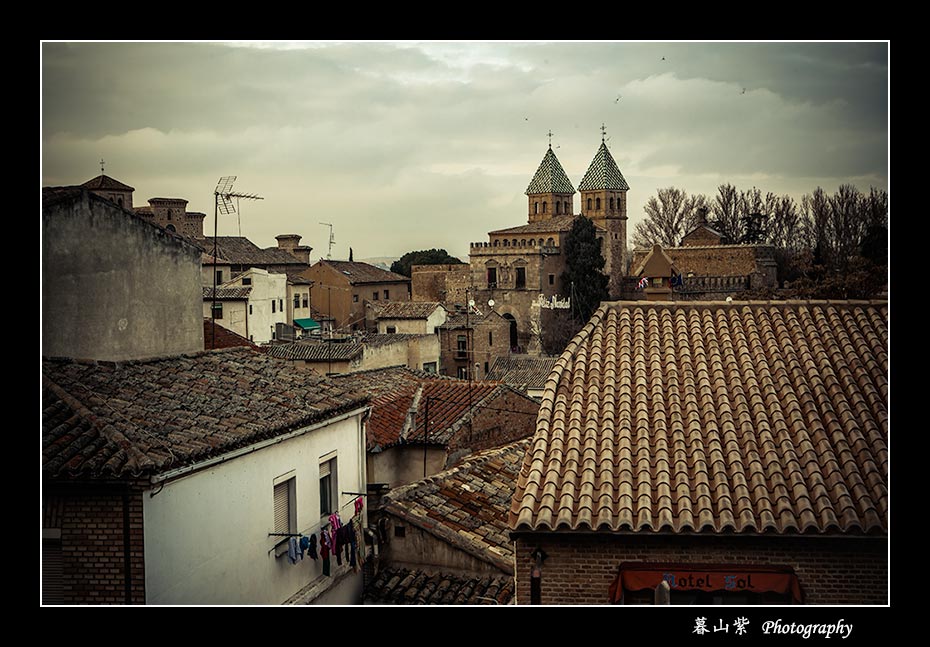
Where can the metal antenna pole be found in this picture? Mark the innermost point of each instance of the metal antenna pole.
(222, 201)
(332, 240)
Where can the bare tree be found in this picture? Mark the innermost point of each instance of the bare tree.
(669, 216)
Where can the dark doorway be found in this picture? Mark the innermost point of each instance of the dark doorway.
(513, 332)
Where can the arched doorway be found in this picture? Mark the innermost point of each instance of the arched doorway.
(513, 331)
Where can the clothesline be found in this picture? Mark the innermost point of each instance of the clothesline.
(315, 528)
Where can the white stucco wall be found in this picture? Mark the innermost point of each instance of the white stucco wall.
(234, 316)
(206, 534)
(266, 286)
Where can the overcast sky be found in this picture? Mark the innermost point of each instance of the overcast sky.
(406, 145)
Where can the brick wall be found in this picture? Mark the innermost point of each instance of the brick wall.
(443, 283)
(580, 568)
(93, 546)
(503, 419)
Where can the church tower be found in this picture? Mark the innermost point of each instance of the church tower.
(603, 200)
(550, 192)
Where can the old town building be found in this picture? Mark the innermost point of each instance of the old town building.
(344, 290)
(361, 352)
(470, 340)
(736, 450)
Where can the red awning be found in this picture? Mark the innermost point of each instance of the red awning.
(734, 578)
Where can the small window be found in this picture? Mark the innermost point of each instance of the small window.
(521, 277)
(273, 334)
(328, 488)
(391, 330)
(296, 300)
(490, 338)
(274, 305)
(461, 349)
(218, 310)
(429, 367)
(246, 280)
(400, 532)
(496, 243)
(611, 204)
(219, 276)
(485, 369)
(567, 208)
(169, 214)
(250, 308)
(558, 208)
(552, 279)
(589, 204)
(374, 295)
(285, 508)
(306, 305)
(544, 207)
(354, 298)
(597, 204)
(535, 207)
(462, 372)
(281, 305)
(387, 295)
(492, 277)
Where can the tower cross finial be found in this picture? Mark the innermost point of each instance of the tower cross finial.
(550, 138)
(101, 165)
(603, 132)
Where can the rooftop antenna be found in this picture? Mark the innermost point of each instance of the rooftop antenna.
(332, 240)
(222, 203)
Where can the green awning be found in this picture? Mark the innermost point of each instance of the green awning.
(306, 324)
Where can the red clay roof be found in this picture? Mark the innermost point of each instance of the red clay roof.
(405, 586)
(105, 182)
(715, 417)
(357, 272)
(225, 338)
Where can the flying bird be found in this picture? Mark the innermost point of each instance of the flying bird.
(744, 91)
(526, 119)
(617, 100)
(663, 58)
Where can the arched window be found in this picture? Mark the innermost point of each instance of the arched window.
(611, 204)
(171, 228)
(544, 207)
(532, 242)
(169, 214)
(558, 208)
(119, 201)
(589, 204)
(597, 204)
(514, 242)
(495, 242)
(550, 242)
(540, 242)
(522, 242)
(568, 209)
(535, 207)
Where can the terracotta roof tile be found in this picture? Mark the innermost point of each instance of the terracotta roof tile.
(715, 417)
(519, 370)
(104, 182)
(405, 309)
(227, 294)
(239, 250)
(467, 505)
(405, 586)
(552, 225)
(358, 272)
(115, 419)
(225, 338)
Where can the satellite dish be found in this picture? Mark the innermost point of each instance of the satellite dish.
(729, 299)
(471, 303)
(490, 303)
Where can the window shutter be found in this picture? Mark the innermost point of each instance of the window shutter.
(281, 508)
(325, 469)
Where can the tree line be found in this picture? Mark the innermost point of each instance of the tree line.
(826, 245)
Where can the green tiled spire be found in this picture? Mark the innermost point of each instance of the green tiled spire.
(603, 173)
(550, 177)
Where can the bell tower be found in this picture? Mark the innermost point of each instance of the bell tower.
(550, 193)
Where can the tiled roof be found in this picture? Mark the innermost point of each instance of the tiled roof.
(119, 419)
(225, 338)
(449, 405)
(405, 309)
(550, 177)
(550, 226)
(517, 370)
(459, 319)
(105, 182)
(55, 194)
(352, 348)
(404, 586)
(757, 417)
(466, 506)
(316, 350)
(227, 294)
(377, 382)
(603, 173)
(357, 272)
(295, 276)
(239, 250)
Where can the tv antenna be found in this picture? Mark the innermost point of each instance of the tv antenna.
(332, 240)
(222, 203)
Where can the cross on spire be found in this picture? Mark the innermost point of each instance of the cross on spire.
(550, 138)
(101, 165)
(603, 132)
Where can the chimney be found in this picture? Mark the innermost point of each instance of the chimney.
(290, 243)
(701, 216)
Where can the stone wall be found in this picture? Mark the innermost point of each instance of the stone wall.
(442, 283)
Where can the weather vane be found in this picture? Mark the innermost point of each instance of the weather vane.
(603, 132)
(550, 138)
(101, 166)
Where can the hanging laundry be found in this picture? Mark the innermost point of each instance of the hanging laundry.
(359, 505)
(324, 551)
(292, 550)
(304, 545)
(311, 549)
(353, 545)
(359, 539)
